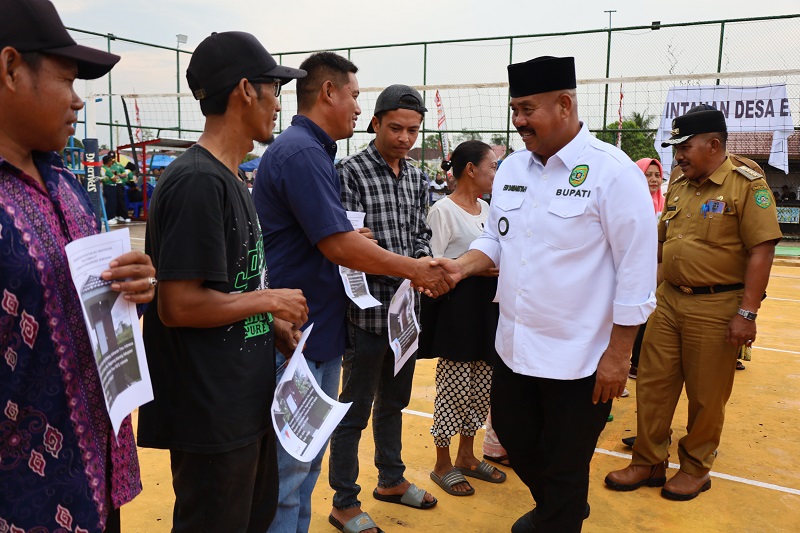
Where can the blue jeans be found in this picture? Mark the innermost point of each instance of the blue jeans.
(296, 478)
(369, 382)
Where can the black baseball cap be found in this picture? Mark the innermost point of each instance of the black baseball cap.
(390, 99)
(541, 75)
(34, 26)
(702, 118)
(223, 59)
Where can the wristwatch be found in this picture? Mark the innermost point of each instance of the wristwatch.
(749, 315)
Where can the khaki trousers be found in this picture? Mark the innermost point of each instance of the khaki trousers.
(685, 343)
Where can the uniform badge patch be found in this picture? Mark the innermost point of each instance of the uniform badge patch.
(502, 226)
(578, 175)
(763, 199)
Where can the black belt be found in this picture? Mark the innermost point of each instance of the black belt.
(713, 289)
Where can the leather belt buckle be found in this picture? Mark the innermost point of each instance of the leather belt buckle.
(685, 289)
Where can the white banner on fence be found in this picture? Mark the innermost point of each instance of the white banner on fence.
(762, 108)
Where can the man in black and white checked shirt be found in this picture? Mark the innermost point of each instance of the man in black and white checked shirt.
(394, 195)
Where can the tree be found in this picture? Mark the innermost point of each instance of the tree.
(638, 143)
(431, 141)
(499, 139)
(466, 135)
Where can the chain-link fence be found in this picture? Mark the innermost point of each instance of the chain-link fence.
(621, 71)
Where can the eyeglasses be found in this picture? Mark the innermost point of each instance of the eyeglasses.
(276, 83)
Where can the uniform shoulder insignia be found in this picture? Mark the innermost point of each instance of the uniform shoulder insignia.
(743, 163)
(749, 173)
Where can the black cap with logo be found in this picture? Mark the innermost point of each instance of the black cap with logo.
(34, 26)
(702, 118)
(223, 59)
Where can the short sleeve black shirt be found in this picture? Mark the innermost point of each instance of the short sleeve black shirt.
(212, 386)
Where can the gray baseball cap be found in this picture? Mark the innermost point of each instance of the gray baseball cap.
(398, 97)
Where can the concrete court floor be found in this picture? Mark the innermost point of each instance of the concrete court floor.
(756, 483)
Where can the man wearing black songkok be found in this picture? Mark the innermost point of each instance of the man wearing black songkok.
(572, 220)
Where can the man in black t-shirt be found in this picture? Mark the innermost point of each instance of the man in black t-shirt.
(209, 332)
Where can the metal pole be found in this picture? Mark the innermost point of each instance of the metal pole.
(178, 85)
(721, 42)
(424, 98)
(110, 103)
(508, 107)
(608, 68)
(348, 139)
(280, 100)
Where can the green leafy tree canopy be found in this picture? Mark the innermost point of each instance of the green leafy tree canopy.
(636, 143)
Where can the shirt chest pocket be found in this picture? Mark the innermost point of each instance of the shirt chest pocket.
(565, 223)
(510, 219)
(720, 228)
(669, 219)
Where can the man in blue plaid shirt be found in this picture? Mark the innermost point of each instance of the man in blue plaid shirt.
(394, 195)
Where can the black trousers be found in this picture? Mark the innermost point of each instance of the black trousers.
(549, 428)
(235, 491)
(115, 201)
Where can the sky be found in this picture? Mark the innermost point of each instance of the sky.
(292, 25)
(302, 25)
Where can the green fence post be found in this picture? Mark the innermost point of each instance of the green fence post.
(424, 98)
(348, 139)
(608, 70)
(721, 42)
(508, 107)
(280, 100)
(111, 145)
(178, 85)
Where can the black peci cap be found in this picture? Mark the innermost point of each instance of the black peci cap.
(390, 99)
(541, 75)
(701, 118)
(223, 59)
(34, 26)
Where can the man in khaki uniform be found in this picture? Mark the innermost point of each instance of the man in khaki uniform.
(717, 238)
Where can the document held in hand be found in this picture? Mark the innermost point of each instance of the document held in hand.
(302, 414)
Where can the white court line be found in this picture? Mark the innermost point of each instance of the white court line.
(775, 350)
(417, 413)
(782, 299)
(720, 475)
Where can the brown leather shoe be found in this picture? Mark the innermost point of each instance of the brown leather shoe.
(683, 486)
(634, 476)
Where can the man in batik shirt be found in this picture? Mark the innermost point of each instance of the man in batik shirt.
(61, 466)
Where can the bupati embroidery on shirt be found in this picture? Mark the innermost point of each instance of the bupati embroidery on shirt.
(580, 193)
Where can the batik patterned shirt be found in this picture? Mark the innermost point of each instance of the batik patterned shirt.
(61, 468)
